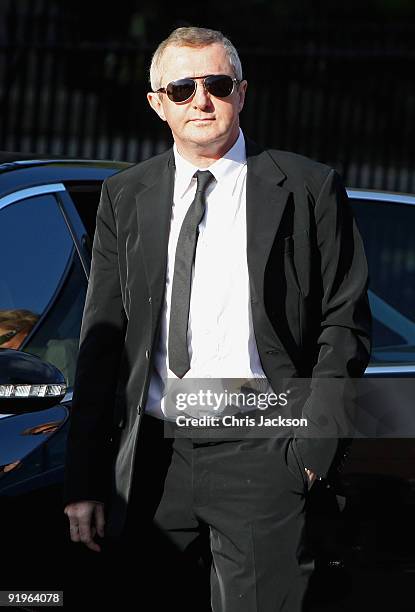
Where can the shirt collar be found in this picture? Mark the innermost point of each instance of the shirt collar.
(232, 161)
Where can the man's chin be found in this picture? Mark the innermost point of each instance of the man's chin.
(202, 130)
(205, 135)
(205, 140)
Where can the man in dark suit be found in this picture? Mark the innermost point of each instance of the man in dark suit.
(216, 259)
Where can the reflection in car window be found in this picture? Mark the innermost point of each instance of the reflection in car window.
(43, 286)
(15, 325)
(56, 337)
(387, 231)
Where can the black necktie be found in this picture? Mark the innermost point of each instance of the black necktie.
(179, 361)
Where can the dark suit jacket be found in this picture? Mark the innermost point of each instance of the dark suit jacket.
(308, 281)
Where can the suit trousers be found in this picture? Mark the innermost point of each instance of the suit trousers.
(215, 524)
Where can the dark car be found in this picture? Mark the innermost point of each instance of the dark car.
(47, 221)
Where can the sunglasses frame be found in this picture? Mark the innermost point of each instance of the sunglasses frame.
(234, 80)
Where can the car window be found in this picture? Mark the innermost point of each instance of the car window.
(86, 199)
(387, 229)
(42, 283)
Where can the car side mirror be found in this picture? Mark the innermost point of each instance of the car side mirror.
(27, 383)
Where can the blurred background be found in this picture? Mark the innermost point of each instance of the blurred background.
(333, 81)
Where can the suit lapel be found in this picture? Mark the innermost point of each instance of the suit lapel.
(154, 205)
(265, 204)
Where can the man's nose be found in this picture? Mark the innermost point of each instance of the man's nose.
(201, 98)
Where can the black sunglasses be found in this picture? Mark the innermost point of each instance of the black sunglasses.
(219, 85)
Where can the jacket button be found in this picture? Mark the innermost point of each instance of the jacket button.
(149, 300)
(147, 353)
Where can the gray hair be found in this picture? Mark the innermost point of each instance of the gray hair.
(192, 37)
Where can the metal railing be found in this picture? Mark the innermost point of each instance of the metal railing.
(349, 104)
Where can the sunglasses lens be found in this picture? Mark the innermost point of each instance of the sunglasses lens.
(220, 85)
(181, 90)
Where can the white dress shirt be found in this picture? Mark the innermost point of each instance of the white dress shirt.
(221, 339)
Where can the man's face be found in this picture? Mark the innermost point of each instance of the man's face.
(205, 124)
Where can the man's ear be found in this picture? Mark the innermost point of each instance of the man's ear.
(241, 93)
(155, 102)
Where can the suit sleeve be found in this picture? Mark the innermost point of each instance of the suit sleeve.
(344, 338)
(88, 452)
